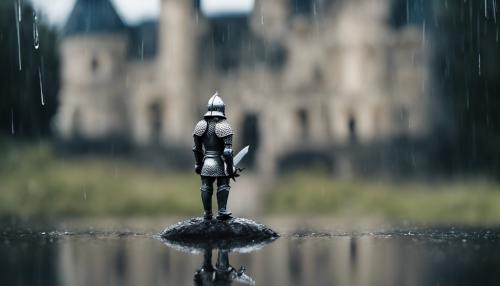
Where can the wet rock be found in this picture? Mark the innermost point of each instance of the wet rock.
(235, 234)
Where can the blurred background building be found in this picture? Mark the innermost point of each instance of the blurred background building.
(325, 83)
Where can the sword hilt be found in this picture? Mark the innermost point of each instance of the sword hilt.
(236, 175)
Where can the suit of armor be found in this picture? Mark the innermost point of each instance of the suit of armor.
(213, 152)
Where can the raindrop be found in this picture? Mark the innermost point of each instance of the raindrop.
(142, 50)
(18, 18)
(41, 86)
(19, 11)
(12, 130)
(407, 12)
(479, 64)
(486, 8)
(494, 4)
(467, 101)
(261, 16)
(36, 39)
(423, 33)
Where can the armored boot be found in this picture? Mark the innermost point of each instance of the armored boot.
(222, 196)
(206, 198)
(207, 260)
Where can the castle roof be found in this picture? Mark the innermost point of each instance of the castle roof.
(93, 17)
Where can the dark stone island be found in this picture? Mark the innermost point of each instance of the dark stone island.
(234, 234)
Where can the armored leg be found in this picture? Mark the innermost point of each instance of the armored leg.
(222, 264)
(222, 196)
(207, 260)
(206, 195)
(204, 275)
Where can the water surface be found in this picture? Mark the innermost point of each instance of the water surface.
(130, 253)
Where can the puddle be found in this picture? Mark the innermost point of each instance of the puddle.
(124, 254)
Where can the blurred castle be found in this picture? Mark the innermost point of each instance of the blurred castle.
(305, 81)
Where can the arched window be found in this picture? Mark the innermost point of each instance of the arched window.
(251, 136)
(94, 63)
(76, 125)
(351, 125)
(155, 120)
(303, 122)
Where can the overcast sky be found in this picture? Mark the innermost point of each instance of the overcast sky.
(131, 11)
(134, 11)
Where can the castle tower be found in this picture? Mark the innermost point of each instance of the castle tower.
(361, 40)
(93, 54)
(175, 69)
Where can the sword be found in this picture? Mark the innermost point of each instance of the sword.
(237, 159)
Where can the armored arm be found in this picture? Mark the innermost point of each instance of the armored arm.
(198, 154)
(228, 154)
(198, 132)
(224, 131)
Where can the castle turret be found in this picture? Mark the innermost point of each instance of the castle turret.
(176, 68)
(93, 53)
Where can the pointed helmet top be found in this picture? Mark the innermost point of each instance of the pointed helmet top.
(216, 107)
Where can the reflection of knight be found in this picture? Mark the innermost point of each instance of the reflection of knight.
(213, 152)
(222, 274)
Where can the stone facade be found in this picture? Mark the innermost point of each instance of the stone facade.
(310, 81)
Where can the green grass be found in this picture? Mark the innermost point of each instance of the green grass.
(36, 184)
(33, 183)
(469, 202)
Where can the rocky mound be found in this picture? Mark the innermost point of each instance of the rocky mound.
(236, 234)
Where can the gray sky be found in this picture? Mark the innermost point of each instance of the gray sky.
(134, 11)
(131, 11)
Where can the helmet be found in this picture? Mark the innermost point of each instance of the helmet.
(216, 107)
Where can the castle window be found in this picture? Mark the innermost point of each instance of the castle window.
(303, 120)
(251, 136)
(302, 7)
(227, 37)
(404, 120)
(351, 125)
(94, 64)
(409, 12)
(155, 121)
(76, 125)
(318, 75)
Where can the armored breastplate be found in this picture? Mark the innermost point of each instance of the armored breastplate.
(213, 144)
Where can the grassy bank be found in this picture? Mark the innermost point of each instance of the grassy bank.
(36, 184)
(469, 202)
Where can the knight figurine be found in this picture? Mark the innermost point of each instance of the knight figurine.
(213, 152)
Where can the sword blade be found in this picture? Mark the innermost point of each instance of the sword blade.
(237, 159)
